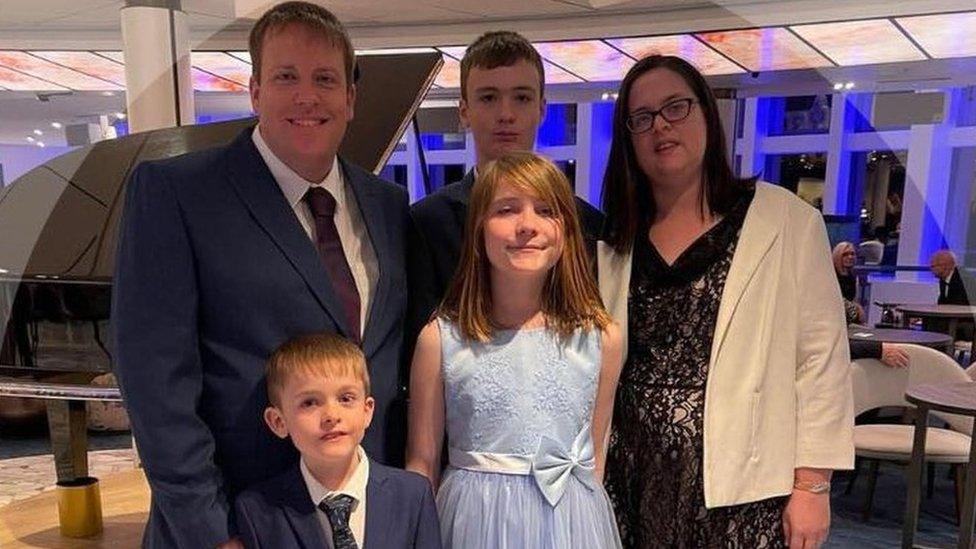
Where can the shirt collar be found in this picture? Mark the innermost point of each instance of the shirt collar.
(293, 185)
(355, 487)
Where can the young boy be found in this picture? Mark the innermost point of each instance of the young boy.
(318, 389)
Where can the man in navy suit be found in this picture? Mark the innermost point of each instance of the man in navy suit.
(225, 254)
(318, 390)
(502, 104)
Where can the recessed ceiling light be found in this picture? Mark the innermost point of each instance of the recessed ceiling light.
(30, 138)
(108, 93)
(120, 115)
(849, 86)
(40, 144)
(38, 132)
(839, 86)
(57, 125)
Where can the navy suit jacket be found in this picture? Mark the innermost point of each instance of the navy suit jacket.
(213, 272)
(400, 513)
(436, 237)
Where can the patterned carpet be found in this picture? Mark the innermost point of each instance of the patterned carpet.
(26, 468)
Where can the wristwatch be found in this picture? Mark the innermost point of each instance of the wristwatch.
(814, 487)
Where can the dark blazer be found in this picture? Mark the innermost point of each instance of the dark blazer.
(437, 233)
(954, 293)
(400, 512)
(213, 272)
(861, 348)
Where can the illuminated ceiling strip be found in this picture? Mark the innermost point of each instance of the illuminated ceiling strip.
(222, 65)
(87, 63)
(25, 63)
(242, 55)
(18, 81)
(942, 36)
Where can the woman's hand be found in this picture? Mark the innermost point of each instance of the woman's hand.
(806, 519)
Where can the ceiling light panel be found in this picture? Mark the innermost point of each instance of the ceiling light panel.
(860, 42)
(554, 74)
(222, 65)
(943, 36)
(685, 46)
(16, 81)
(450, 74)
(592, 60)
(88, 63)
(767, 49)
(40, 68)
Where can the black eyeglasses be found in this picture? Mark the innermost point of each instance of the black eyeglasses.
(675, 111)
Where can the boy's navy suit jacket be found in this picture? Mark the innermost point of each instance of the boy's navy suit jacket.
(400, 513)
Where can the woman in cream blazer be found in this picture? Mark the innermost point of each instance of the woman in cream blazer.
(777, 405)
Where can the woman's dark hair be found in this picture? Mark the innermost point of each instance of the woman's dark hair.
(627, 199)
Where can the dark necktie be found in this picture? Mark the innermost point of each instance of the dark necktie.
(943, 288)
(323, 205)
(338, 509)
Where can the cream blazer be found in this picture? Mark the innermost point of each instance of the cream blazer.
(778, 394)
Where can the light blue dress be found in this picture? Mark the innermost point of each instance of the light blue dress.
(518, 412)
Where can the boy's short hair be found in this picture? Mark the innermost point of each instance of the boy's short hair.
(324, 354)
(500, 49)
(311, 16)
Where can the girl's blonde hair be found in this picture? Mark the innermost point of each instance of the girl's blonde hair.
(570, 298)
(838, 256)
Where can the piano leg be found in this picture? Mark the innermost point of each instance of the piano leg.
(67, 421)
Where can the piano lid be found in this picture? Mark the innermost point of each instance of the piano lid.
(59, 221)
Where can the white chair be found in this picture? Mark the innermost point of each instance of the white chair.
(876, 385)
(872, 251)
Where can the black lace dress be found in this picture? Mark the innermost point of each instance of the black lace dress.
(654, 465)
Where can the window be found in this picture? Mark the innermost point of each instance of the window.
(801, 173)
(559, 126)
(807, 114)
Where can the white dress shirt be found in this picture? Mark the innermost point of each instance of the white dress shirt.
(355, 488)
(348, 219)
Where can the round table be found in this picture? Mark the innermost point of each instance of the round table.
(936, 340)
(954, 314)
(955, 398)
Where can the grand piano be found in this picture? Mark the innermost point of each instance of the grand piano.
(58, 228)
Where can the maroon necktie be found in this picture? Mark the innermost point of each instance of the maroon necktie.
(323, 205)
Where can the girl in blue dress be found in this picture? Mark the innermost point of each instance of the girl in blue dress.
(519, 366)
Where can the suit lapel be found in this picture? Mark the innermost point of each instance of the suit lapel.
(301, 514)
(379, 511)
(253, 182)
(371, 211)
(760, 229)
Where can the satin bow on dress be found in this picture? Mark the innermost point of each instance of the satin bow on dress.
(552, 465)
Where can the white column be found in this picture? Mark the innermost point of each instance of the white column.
(159, 88)
(843, 114)
(415, 174)
(755, 128)
(594, 132)
(924, 206)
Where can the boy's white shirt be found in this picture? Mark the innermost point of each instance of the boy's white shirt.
(355, 487)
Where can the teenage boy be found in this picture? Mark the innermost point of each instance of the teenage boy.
(502, 104)
(318, 390)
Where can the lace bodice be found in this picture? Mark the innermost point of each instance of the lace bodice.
(505, 395)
